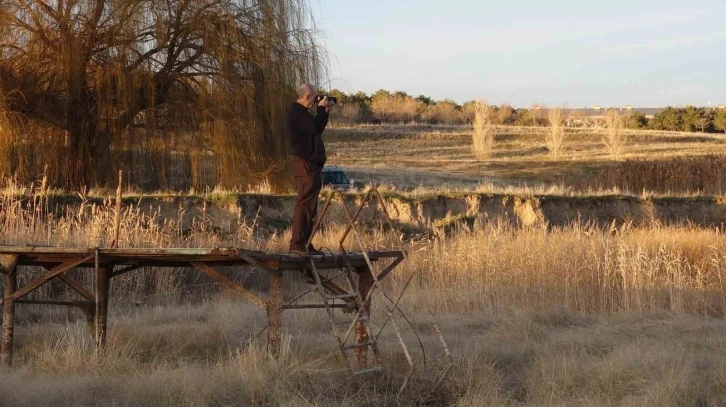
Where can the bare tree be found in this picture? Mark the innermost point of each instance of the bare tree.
(199, 74)
(703, 122)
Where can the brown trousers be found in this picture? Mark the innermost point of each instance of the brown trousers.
(309, 181)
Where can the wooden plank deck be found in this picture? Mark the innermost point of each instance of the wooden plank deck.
(183, 257)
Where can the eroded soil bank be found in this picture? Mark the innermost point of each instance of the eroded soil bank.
(275, 212)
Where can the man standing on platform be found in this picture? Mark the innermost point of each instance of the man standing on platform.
(305, 133)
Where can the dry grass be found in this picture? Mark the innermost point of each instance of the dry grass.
(482, 144)
(566, 316)
(679, 175)
(202, 355)
(409, 156)
(493, 266)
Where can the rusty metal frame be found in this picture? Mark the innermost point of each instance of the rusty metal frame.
(391, 304)
(363, 328)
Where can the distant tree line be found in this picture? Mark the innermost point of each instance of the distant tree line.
(399, 107)
(684, 119)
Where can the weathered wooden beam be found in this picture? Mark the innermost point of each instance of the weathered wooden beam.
(390, 267)
(125, 270)
(238, 288)
(54, 272)
(315, 306)
(81, 304)
(11, 282)
(232, 255)
(8, 262)
(337, 290)
(117, 212)
(77, 287)
(103, 282)
(365, 282)
(274, 314)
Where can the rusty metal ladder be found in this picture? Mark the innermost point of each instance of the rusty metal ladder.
(362, 302)
(361, 317)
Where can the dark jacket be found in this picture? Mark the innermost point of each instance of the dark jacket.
(304, 132)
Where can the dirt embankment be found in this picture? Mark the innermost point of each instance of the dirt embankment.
(275, 212)
(543, 211)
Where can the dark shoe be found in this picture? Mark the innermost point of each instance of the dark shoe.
(315, 252)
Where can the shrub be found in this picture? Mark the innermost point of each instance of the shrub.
(556, 135)
(719, 120)
(483, 135)
(668, 119)
(614, 139)
(635, 120)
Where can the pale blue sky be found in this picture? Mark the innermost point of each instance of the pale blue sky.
(578, 53)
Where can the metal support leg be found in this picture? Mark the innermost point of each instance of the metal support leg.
(274, 314)
(103, 279)
(11, 284)
(365, 282)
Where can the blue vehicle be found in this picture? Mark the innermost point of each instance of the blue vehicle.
(334, 177)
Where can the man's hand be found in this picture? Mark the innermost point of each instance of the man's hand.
(327, 104)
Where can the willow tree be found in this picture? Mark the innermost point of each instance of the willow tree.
(212, 75)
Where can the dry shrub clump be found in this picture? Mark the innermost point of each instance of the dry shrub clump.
(614, 138)
(555, 137)
(483, 135)
(679, 175)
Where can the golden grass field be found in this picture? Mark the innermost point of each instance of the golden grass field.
(408, 156)
(533, 316)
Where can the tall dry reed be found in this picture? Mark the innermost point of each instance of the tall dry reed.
(680, 175)
(614, 138)
(463, 265)
(483, 135)
(555, 137)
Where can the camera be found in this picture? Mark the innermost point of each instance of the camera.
(330, 99)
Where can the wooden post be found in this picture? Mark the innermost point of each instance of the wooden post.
(103, 279)
(11, 284)
(117, 217)
(365, 282)
(274, 313)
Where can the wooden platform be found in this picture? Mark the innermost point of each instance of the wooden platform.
(182, 257)
(108, 263)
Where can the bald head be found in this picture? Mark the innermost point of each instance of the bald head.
(304, 90)
(306, 95)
